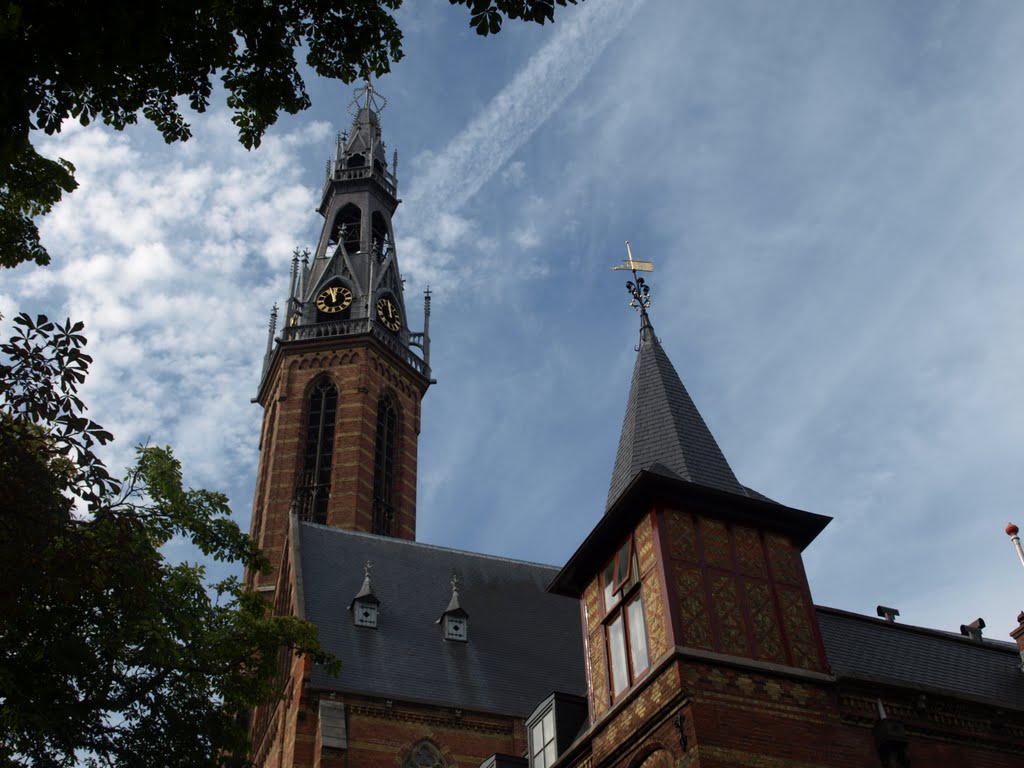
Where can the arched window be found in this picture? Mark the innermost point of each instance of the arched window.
(379, 231)
(425, 755)
(315, 483)
(347, 227)
(384, 467)
(356, 161)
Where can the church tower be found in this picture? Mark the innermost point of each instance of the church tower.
(344, 377)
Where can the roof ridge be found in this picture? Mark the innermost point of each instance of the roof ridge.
(423, 545)
(942, 634)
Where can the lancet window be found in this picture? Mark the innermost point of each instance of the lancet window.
(315, 483)
(384, 467)
(379, 231)
(425, 755)
(347, 227)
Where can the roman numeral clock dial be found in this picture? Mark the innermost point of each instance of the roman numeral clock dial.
(388, 314)
(334, 299)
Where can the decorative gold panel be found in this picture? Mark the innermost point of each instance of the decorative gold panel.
(798, 628)
(749, 552)
(682, 541)
(766, 628)
(730, 618)
(696, 627)
(716, 544)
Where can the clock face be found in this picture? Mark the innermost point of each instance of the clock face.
(388, 314)
(334, 299)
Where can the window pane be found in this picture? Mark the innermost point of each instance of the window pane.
(637, 636)
(537, 739)
(609, 594)
(549, 753)
(617, 656)
(634, 573)
(623, 563)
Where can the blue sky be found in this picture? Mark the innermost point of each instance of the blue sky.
(832, 194)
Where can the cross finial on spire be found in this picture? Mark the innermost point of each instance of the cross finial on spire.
(367, 568)
(455, 582)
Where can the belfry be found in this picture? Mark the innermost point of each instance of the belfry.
(344, 375)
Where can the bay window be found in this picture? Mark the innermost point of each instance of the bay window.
(625, 631)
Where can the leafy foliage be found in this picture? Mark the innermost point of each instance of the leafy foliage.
(110, 654)
(113, 60)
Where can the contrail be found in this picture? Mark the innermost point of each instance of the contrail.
(456, 174)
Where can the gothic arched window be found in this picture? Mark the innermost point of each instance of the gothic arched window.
(379, 231)
(384, 466)
(425, 755)
(315, 483)
(347, 227)
(356, 161)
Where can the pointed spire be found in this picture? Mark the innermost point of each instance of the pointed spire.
(366, 591)
(662, 430)
(453, 604)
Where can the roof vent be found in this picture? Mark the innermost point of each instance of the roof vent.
(365, 606)
(889, 614)
(454, 618)
(973, 630)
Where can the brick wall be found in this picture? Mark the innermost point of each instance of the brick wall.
(362, 373)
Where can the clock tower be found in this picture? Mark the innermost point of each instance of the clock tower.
(344, 375)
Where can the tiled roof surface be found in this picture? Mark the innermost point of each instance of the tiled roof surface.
(862, 646)
(662, 425)
(523, 643)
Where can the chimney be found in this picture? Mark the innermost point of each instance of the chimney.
(1018, 635)
(973, 630)
(887, 613)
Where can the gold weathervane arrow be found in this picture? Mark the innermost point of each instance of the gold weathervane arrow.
(632, 264)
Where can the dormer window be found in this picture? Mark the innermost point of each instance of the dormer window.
(625, 630)
(553, 726)
(365, 606)
(364, 613)
(455, 628)
(454, 620)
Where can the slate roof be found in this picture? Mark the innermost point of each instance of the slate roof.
(663, 426)
(866, 647)
(523, 643)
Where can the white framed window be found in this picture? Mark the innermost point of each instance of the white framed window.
(542, 741)
(625, 627)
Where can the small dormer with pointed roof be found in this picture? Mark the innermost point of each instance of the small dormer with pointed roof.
(365, 606)
(455, 620)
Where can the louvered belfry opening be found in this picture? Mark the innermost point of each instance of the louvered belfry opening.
(384, 467)
(315, 484)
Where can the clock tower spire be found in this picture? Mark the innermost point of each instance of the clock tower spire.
(344, 377)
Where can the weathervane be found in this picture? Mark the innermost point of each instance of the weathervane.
(366, 96)
(638, 289)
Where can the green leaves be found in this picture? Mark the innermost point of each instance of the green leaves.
(119, 59)
(109, 654)
(485, 16)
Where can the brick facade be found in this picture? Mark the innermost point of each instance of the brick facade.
(362, 371)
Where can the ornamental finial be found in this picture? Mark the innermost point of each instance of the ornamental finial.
(640, 293)
(367, 97)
